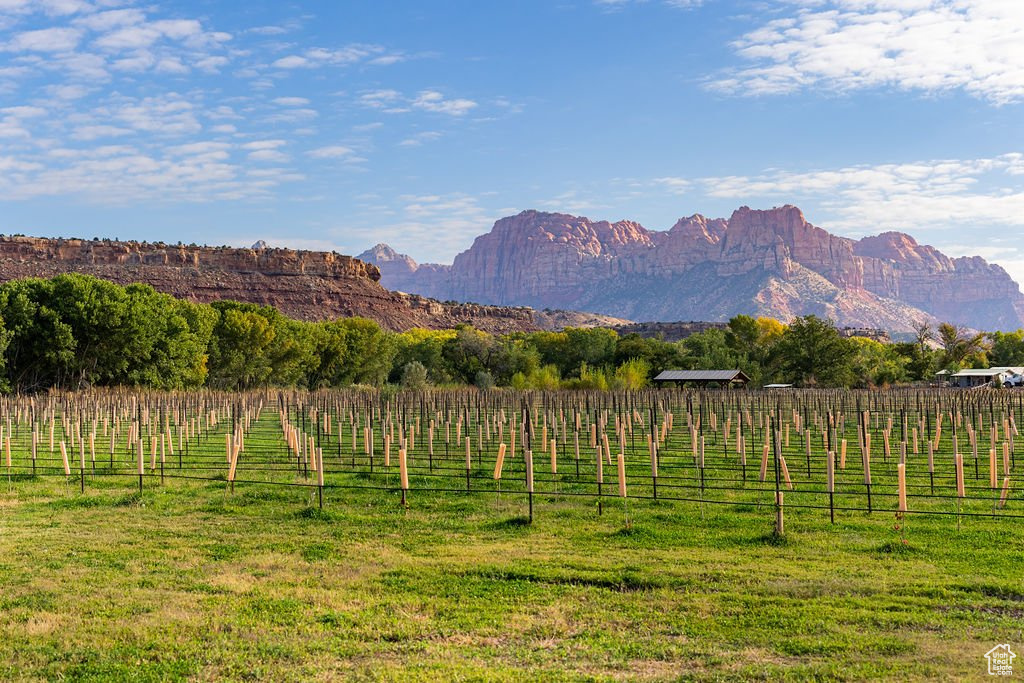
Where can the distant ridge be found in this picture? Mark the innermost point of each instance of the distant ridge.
(308, 285)
(757, 262)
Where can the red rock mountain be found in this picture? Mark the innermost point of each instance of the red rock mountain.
(769, 262)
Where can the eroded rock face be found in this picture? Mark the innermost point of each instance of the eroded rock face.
(308, 285)
(770, 262)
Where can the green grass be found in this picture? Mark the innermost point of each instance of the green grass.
(188, 582)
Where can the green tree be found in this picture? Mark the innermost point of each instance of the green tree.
(709, 350)
(240, 347)
(370, 352)
(920, 361)
(657, 353)
(426, 347)
(959, 346)
(811, 352)
(41, 347)
(414, 376)
(876, 364)
(632, 375)
(1007, 348)
(469, 352)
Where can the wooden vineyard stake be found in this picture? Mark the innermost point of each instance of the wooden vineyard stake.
(653, 452)
(81, 466)
(622, 487)
(529, 481)
(576, 446)
(64, 459)
(233, 465)
(866, 460)
(469, 462)
(807, 441)
(780, 523)
(959, 463)
(499, 463)
(320, 476)
(785, 472)
(931, 467)
(901, 480)
(700, 466)
(622, 475)
(600, 482)
(403, 475)
(764, 461)
(830, 472)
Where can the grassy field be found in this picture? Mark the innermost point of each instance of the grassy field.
(189, 581)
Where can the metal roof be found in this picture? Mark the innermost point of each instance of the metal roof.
(778, 386)
(982, 372)
(701, 376)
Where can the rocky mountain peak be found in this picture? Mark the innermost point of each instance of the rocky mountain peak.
(760, 261)
(381, 253)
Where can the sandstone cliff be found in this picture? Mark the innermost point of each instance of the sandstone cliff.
(770, 262)
(307, 285)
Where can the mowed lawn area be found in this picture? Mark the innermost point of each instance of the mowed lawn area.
(189, 582)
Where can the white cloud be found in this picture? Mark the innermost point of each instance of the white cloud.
(914, 45)
(10, 128)
(394, 102)
(351, 54)
(113, 101)
(24, 112)
(120, 174)
(269, 155)
(431, 100)
(291, 101)
(268, 30)
(169, 114)
(264, 144)
(439, 225)
(171, 65)
(941, 201)
(291, 62)
(96, 132)
(211, 64)
(111, 19)
(67, 91)
(331, 152)
(45, 40)
(677, 186)
(420, 139)
(380, 98)
(293, 115)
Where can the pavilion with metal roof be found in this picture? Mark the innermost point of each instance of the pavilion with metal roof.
(704, 377)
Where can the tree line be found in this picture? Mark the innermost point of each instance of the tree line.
(74, 331)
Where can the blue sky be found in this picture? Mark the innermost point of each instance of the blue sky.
(336, 125)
